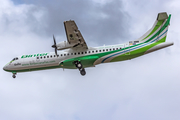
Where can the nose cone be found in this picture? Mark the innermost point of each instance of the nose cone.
(5, 68)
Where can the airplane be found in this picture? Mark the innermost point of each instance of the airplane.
(75, 54)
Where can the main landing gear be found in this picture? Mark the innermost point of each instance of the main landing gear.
(80, 67)
(14, 75)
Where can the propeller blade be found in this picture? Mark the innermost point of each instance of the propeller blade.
(54, 46)
(54, 40)
(56, 51)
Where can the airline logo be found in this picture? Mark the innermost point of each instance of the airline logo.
(34, 55)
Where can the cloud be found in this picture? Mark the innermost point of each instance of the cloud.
(143, 88)
(96, 20)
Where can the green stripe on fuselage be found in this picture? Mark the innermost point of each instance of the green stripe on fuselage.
(138, 52)
(87, 61)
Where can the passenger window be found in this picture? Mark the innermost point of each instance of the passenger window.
(41, 57)
(85, 52)
(61, 54)
(68, 54)
(120, 48)
(99, 50)
(37, 57)
(113, 48)
(57, 55)
(44, 56)
(92, 51)
(116, 48)
(47, 56)
(82, 53)
(51, 56)
(54, 55)
(16, 58)
(103, 50)
(109, 49)
(106, 49)
(74, 53)
(71, 53)
(78, 53)
(64, 54)
(89, 51)
(96, 50)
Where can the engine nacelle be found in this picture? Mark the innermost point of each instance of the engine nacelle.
(64, 45)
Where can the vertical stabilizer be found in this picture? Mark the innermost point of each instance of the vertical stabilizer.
(158, 31)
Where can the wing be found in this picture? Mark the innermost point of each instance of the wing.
(74, 36)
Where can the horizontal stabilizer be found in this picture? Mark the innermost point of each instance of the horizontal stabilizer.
(162, 16)
(158, 47)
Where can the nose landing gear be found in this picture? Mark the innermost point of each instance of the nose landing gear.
(14, 75)
(80, 67)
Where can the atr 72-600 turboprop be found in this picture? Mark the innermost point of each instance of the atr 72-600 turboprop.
(77, 55)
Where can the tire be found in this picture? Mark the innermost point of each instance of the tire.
(79, 65)
(83, 72)
(14, 76)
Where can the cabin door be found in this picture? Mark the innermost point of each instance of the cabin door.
(127, 50)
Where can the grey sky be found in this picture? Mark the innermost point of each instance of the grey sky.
(144, 88)
(88, 15)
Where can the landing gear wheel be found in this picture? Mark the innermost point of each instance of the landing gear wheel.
(83, 72)
(14, 75)
(79, 65)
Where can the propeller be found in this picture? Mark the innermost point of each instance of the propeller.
(54, 46)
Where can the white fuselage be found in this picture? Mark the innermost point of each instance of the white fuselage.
(35, 61)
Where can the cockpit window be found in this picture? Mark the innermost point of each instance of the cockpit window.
(15, 59)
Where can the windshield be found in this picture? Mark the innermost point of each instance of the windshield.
(14, 59)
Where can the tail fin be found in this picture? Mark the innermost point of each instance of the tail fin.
(159, 30)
